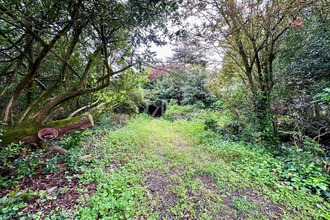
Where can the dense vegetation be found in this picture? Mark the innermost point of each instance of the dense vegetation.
(244, 136)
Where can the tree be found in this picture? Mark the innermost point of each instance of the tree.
(184, 84)
(249, 32)
(302, 71)
(54, 52)
(187, 51)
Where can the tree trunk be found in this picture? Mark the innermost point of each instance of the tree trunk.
(263, 116)
(30, 75)
(28, 132)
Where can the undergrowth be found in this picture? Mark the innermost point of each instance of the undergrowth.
(200, 172)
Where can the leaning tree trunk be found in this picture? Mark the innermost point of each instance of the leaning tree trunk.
(27, 132)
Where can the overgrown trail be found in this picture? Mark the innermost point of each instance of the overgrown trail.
(155, 169)
(194, 183)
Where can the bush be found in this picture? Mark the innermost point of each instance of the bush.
(184, 85)
(119, 120)
(177, 112)
(127, 107)
(73, 140)
(323, 97)
(134, 101)
(297, 168)
(312, 146)
(301, 169)
(134, 97)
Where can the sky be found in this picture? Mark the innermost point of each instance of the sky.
(166, 51)
(163, 52)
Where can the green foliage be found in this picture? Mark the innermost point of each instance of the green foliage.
(185, 86)
(114, 198)
(194, 90)
(204, 152)
(220, 122)
(50, 165)
(57, 214)
(177, 112)
(26, 165)
(13, 202)
(302, 168)
(127, 107)
(298, 168)
(73, 140)
(70, 68)
(13, 167)
(263, 119)
(242, 205)
(8, 154)
(180, 153)
(218, 105)
(323, 97)
(134, 96)
(302, 69)
(234, 108)
(312, 146)
(120, 194)
(306, 52)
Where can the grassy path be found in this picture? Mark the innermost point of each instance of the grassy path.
(155, 169)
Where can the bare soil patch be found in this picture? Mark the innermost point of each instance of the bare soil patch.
(161, 193)
(263, 206)
(208, 182)
(61, 192)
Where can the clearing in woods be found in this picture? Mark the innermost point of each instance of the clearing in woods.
(156, 169)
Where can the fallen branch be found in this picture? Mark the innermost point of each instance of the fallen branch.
(57, 149)
(28, 132)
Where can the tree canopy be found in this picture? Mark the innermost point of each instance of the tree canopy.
(57, 51)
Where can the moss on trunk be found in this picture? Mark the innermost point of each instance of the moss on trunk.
(29, 128)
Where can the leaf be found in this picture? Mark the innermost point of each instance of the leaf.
(326, 216)
(323, 186)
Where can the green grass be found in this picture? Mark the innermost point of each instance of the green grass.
(172, 170)
(157, 169)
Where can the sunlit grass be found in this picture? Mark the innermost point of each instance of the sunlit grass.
(184, 156)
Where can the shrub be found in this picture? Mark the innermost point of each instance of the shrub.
(298, 168)
(177, 112)
(133, 102)
(184, 85)
(323, 97)
(303, 168)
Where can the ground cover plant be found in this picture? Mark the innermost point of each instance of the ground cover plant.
(159, 169)
(233, 124)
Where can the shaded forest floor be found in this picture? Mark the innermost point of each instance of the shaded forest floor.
(156, 169)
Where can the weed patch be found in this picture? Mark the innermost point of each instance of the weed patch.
(160, 169)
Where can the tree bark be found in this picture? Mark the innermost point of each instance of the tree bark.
(28, 132)
(57, 149)
(30, 75)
